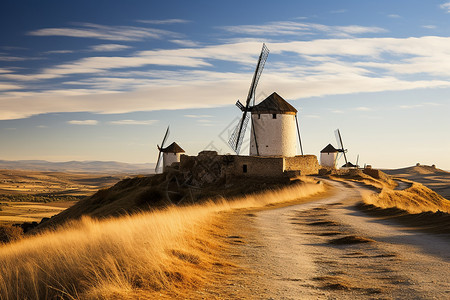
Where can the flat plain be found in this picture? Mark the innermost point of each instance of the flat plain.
(29, 196)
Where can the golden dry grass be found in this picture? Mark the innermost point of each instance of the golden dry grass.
(132, 256)
(415, 199)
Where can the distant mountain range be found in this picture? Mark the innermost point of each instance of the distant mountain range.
(79, 166)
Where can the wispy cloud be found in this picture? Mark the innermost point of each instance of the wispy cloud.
(419, 105)
(394, 16)
(12, 48)
(429, 26)
(103, 32)
(445, 6)
(59, 51)
(198, 116)
(8, 86)
(164, 22)
(185, 43)
(83, 122)
(316, 68)
(14, 58)
(4, 71)
(133, 122)
(363, 108)
(109, 47)
(297, 28)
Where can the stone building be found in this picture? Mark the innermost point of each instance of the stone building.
(171, 154)
(328, 156)
(209, 167)
(274, 129)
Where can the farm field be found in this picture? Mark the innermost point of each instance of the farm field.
(29, 196)
(19, 212)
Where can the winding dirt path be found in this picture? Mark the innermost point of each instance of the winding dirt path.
(327, 249)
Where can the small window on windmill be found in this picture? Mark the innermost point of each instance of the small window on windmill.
(259, 116)
(274, 116)
(244, 168)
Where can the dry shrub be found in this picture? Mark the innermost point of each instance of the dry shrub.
(152, 196)
(142, 255)
(9, 233)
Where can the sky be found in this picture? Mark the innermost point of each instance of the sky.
(102, 80)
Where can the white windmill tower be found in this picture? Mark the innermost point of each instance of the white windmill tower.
(274, 121)
(274, 127)
(170, 154)
(328, 156)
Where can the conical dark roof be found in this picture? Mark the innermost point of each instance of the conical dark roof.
(274, 104)
(329, 149)
(349, 165)
(173, 148)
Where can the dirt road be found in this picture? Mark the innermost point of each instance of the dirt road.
(327, 249)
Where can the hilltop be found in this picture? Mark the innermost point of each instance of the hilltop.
(152, 192)
(434, 178)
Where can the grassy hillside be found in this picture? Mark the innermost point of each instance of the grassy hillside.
(403, 194)
(434, 178)
(407, 202)
(145, 255)
(415, 199)
(142, 193)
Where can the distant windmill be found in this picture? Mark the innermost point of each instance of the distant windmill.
(170, 154)
(343, 150)
(237, 137)
(161, 149)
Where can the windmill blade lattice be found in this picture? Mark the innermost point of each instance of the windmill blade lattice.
(259, 68)
(161, 148)
(237, 137)
(340, 144)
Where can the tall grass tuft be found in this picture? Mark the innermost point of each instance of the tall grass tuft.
(415, 199)
(164, 251)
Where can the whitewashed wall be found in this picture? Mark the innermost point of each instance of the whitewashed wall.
(169, 158)
(274, 136)
(328, 159)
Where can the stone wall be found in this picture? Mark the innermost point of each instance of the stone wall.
(307, 164)
(257, 166)
(208, 167)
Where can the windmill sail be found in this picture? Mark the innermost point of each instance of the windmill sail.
(340, 144)
(161, 148)
(237, 137)
(258, 71)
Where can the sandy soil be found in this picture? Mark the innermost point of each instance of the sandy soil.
(327, 249)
